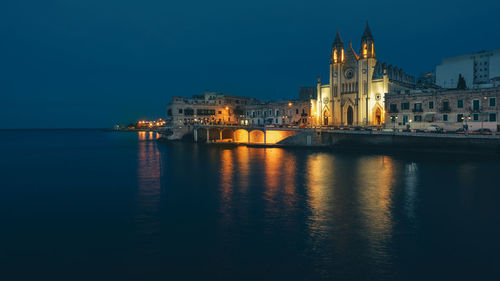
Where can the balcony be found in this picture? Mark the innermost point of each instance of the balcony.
(393, 110)
(417, 110)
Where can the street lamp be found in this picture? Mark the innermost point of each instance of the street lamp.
(394, 120)
(466, 126)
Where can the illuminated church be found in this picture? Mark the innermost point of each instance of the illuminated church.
(357, 85)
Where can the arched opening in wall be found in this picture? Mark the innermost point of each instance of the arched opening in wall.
(350, 115)
(378, 117)
(325, 118)
(213, 134)
(202, 135)
(256, 136)
(241, 135)
(277, 136)
(227, 135)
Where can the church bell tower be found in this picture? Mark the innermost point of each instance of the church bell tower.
(336, 63)
(366, 67)
(367, 44)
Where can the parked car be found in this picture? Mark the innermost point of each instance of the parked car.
(434, 129)
(483, 131)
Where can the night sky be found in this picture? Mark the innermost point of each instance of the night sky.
(94, 63)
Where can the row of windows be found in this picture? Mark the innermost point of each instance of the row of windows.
(205, 120)
(490, 117)
(446, 105)
(199, 111)
(275, 121)
(277, 112)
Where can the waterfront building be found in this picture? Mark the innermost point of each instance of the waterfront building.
(207, 108)
(280, 113)
(145, 124)
(354, 94)
(479, 70)
(449, 109)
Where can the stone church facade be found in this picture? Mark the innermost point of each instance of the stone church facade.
(358, 83)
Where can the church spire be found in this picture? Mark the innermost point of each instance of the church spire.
(337, 49)
(367, 34)
(367, 44)
(338, 39)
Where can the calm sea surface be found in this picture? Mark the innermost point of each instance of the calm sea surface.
(92, 205)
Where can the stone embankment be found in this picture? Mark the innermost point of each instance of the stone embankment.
(373, 140)
(395, 141)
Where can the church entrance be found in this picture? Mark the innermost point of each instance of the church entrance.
(325, 118)
(378, 117)
(350, 116)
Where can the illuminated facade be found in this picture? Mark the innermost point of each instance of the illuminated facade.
(208, 108)
(288, 113)
(355, 93)
(448, 109)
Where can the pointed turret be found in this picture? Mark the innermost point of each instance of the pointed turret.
(338, 40)
(337, 49)
(367, 49)
(367, 34)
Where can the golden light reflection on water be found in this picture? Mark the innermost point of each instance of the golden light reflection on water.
(243, 160)
(320, 181)
(227, 168)
(275, 167)
(143, 136)
(345, 194)
(280, 179)
(376, 176)
(290, 175)
(321, 178)
(148, 195)
(273, 160)
(353, 196)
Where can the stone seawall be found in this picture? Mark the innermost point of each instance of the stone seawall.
(398, 141)
(372, 140)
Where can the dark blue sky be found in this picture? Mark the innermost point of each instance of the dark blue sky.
(93, 63)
